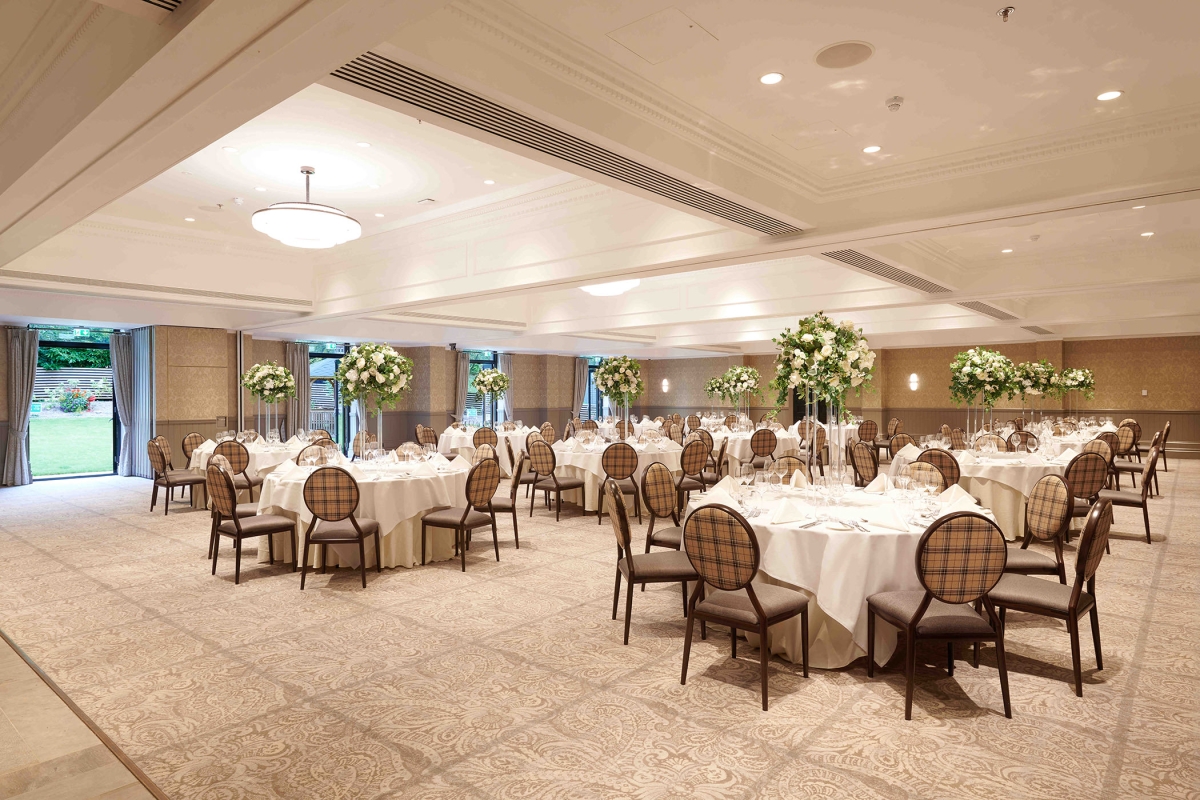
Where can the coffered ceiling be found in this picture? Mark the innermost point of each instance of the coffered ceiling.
(613, 135)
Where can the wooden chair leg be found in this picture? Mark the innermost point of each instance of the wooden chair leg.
(237, 561)
(804, 639)
(362, 559)
(215, 547)
(154, 496)
(1096, 637)
(1146, 519)
(1076, 667)
(870, 642)
(271, 547)
(378, 556)
(687, 648)
(628, 607)
(910, 671)
(516, 535)
(733, 642)
(495, 539)
(600, 508)
(950, 659)
(462, 550)
(617, 591)
(1003, 669)
(304, 567)
(764, 654)
(423, 543)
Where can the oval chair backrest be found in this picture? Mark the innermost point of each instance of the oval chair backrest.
(158, 462)
(220, 489)
(1087, 474)
(944, 463)
(547, 431)
(818, 441)
(945, 430)
(237, 455)
(658, 490)
(1048, 509)
(589, 425)
(618, 515)
(1112, 440)
(1126, 440)
(790, 464)
(693, 459)
(1127, 420)
(190, 443)
(1093, 540)
(868, 431)
(518, 468)
(482, 482)
(427, 435)
(958, 439)
(1166, 434)
(763, 442)
(361, 439)
(484, 452)
(541, 458)
(898, 442)
(325, 442)
(721, 546)
(864, 462)
(619, 461)
(534, 436)
(961, 557)
(317, 449)
(991, 438)
(1021, 441)
(705, 437)
(676, 434)
(166, 449)
(677, 418)
(895, 425)
(485, 436)
(693, 422)
(623, 431)
(331, 494)
(1101, 448)
(321, 432)
(730, 420)
(923, 471)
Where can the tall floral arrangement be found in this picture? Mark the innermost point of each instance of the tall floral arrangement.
(741, 383)
(270, 382)
(491, 382)
(1078, 380)
(1033, 379)
(620, 379)
(981, 374)
(716, 387)
(374, 372)
(823, 357)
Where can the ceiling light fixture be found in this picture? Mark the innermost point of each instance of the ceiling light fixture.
(489, 182)
(874, 148)
(373, 186)
(305, 224)
(379, 215)
(1009, 250)
(363, 144)
(1135, 208)
(228, 149)
(260, 188)
(1113, 95)
(771, 78)
(611, 289)
(1148, 234)
(189, 219)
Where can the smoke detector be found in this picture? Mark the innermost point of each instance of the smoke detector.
(894, 103)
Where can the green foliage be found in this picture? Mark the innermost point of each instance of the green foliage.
(68, 445)
(73, 398)
(55, 358)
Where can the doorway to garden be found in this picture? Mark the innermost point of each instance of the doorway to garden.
(73, 431)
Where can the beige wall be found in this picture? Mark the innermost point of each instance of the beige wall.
(686, 378)
(1168, 368)
(192, 381)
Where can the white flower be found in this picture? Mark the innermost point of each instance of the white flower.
(378, 378)
(827, 350)
(808, 337)
(362, 362)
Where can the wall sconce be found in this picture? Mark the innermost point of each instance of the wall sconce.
(666, 384)
(913, 382)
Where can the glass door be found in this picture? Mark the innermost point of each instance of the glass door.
(73, 430)
(480, 413)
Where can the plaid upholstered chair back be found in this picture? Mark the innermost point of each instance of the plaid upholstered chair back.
(924, 472)
(620, 461)
(482, 482)
(991, 438)
(485, 436)
(237, 455)
(316, 450)
(730, 420)
(1166, 434)
(617, 514)
(166, 449)
(868, 430)
(1100, 448)
(623, 430)
(548, 432)
(898, 441)
(863, 455)
(705, 437)
(190, 443)
(569, 433)
(677, 418)
(818, 440)
(1093, 541)
(1019, 424)
(693, 459)
(1112, 440)
(658, 490)
(1149, 470)
(589, 425)
(944, 462)
(541, 457)
(660, 420)
(721, 546)
(895, 425)
(158, 462)
(325, 442)
(945, 430)
(427, 435)
(1022, 441)
(1126, 440)
(693, 422)
(958, 439)
(1086, 474)
(720, 457)
(220, 489)
(961, 557)
(483, 453)
(331, 494)
(321, 433)
(1128, 420)
(361, 440)
(517, 469)
(1048, 509)
(763, 442)
(790, 464)
(534, 436)
(220, 461)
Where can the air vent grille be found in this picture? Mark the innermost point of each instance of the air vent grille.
(1038, 329)
(167, 5)
(988, 311)
(372, 71)
(886, 271)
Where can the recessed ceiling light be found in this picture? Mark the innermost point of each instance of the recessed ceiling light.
(379, 215)
(228, 149)
(260, 188)
(363, 144)
(1009, 250)
(872, 149)
(1148, 234)
(189, 219)
(489, 182)
(1135, 208)
(771, 78)
(424, 201)
(611, 289)
(1113, 95)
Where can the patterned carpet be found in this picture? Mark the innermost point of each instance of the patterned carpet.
(511, 680)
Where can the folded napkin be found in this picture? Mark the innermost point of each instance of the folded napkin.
(880, 485)
(884, 516)
(1066, 455)
(670, 446)
(295, 473)
(1034, 460)
(910, 452)
(713, 496)
(285, 467)
(798, 480)
(207, 447)
(650, 447)
(953, 495)
(631, 440)
(785, 512)
(293, 440)
(355, 472)
(459, 463)
(726, 484)
(425, 469)
(559, 446)
(1108, 426)
(964, 457)
(438, 458)
(961, 504)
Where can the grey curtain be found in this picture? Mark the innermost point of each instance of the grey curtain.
(504, 364)
(120, 347)
(143, 400)
(295, 358)
(461, 381)
(22, 369)
(581, 384)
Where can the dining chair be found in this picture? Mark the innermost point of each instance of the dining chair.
(724, 551)
(482, 452)
(1022, 441)
(1123, 454)
(534, 436)
(960, 559)
(229, 519)
(190, 443)
(691, 479)
(526, 479)
(321, 433)
(619, 462)
(502, 503)
(707, 438)
(716, 465)
(624, 430)
(589, 425)
(239, 464)
(166, 477)
(1085, 475)
(730, 421)
(361, 440)
(1059, 601)
(922, 472)
(958, 439)
(315, 451)
(762, 444)
(485, 436)
(991, 438)
(427, 435)
(662, 502)
(945, 463)
(1135, 468)
(693, 422)
(544, 462)
(1047, 515)
(815, 455)
(790, 464)
(898, 443)
(548, 432)
(663, 566)
(477, 512)
(331, 495)
(569, 432)
(677, 418)
(868, 431)
(1138, 451)
(165, 445)
(865, 459)
(676, 434)
(1162, 445)
(945, 431)
(660, 420)
(1135, 499)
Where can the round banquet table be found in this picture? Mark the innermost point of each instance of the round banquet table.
(586, 464)
(457, 441)
(834, 437)
(610, 431)
(263, 457)
(837, 569)
(738, 449)
(392, 496)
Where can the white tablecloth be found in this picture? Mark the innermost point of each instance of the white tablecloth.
(609, 431)
(588, 466)
(395, 501)
(456, 441)
(834, 437)
(738, 449)
(263, 458)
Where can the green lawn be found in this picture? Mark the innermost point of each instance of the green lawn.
(65, 445)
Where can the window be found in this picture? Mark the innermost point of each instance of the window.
(325, 409)
(593, 400)
(478, 412)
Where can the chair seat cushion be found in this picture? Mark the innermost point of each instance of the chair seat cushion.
(776, 602)
(1029, 561)
(184, 476)
(1122, 498)
(940, 619)
(449, 518)
(258, 525)
(667, 537)
(242, 482)
(343, 530)
(563, 483)
(1080, 507)
(687, 484)
(710, 477)
(1129, 466)
(664, 566)
(1049, 595)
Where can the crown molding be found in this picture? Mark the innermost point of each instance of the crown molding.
(187, 242)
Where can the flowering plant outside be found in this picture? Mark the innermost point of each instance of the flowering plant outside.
(73, 398)
(374, 370)
(1078, 380)
(270, 382)
(1034, 379)
(981, 373)
(741, 382)
(491, 381)
(821, 355)
(620, 379)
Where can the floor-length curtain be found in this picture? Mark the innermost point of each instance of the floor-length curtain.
(22, 370)
(461, 384)
(295, 358)
(581, 384)
(120, 348)
(504, 364)
(143, 400)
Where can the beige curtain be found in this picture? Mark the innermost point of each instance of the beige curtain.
(295, 358)
(120, 348)
(581, 384)
(461, 384)
(22, 369)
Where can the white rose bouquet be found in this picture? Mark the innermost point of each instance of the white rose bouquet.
(716, 387)
(491, 381)
(1078, 380)
(376, 371)
(1034, 379)
(620, 379)
(270, 382)
(742, 382)
(823, 356)
(983, 374)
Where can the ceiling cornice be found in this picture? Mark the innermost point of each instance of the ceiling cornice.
(189, 242)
